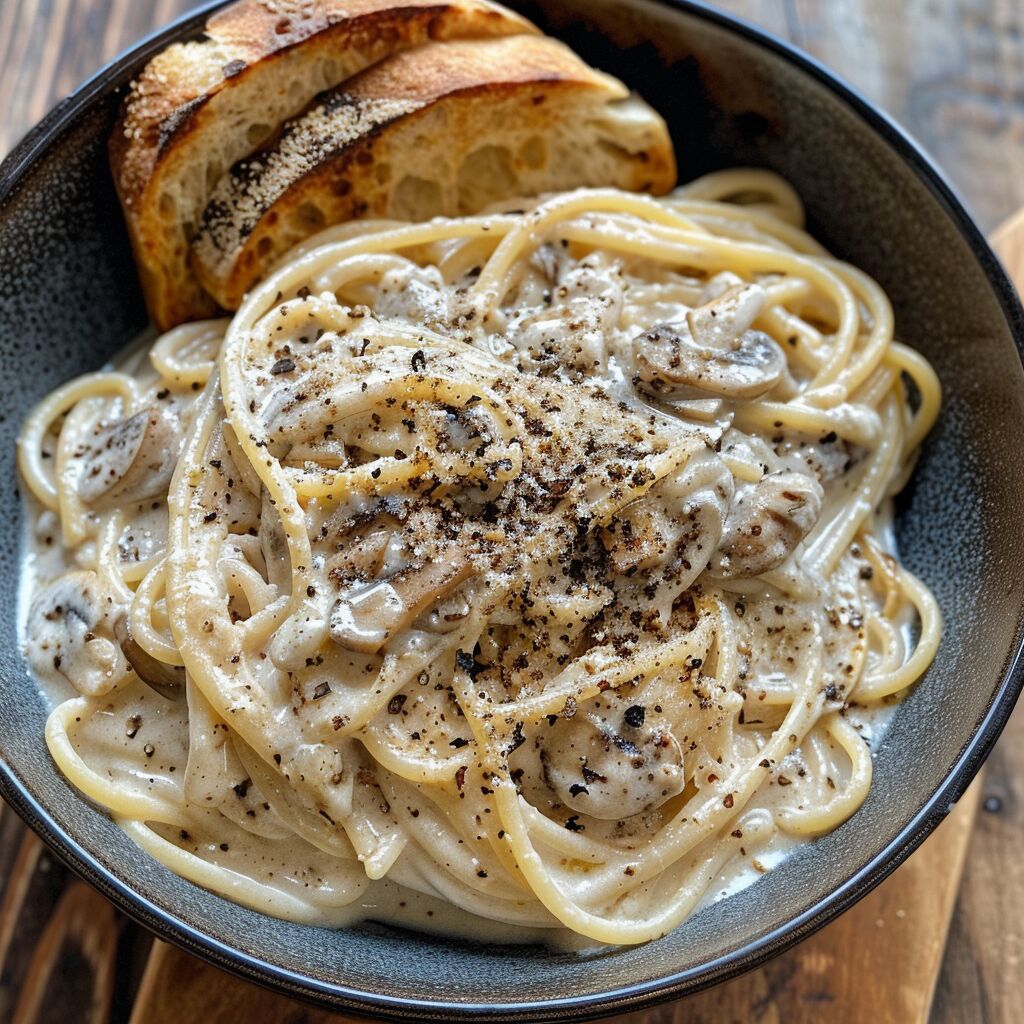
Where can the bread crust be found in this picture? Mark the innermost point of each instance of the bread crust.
(258, 48)
(331, 160)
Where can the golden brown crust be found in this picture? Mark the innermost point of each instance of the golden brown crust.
(163, 104)
(175, 104)
(329, 165)
(272, 25)
(431, 72)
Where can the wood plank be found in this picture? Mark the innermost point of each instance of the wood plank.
(59, 938)
(71, 973)
(953, 72)
(982, 976)
(177, 988)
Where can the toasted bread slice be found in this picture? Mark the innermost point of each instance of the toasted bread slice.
(198, 108)
(442, 130)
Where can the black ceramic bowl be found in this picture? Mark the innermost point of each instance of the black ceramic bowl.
(69, 298)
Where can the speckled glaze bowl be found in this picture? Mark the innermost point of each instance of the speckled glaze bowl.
(69, 298)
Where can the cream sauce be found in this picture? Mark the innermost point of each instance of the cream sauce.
(649, 452)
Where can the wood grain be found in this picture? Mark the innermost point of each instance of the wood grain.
(65, 952)
(982, 977)
(952, 71)
(176, 988)
(895, 936)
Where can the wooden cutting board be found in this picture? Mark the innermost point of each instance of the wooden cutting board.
(66, 955)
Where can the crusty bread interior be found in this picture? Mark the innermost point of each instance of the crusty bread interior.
(442, 130)
(198, 108)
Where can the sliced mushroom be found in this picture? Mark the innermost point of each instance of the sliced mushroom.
(679, 522)
(766, 523)
(571, 330)
(727, 316)
(360, 560)
(605, 767)
(69, 631)
(670, 364)
(366, 617)
(718, 284)
(167, 680)
(359, 512)
(132, 460)
(274, 545)
(714, 351)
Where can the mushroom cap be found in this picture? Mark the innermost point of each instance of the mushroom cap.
(715, 351)
(669, 363)
(72, 634)
(131, 460)
(364, 618)
(167, 680)
(602, 766)
(766, 523)
(726, 315)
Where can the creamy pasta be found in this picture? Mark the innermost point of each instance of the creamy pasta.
(533, 563)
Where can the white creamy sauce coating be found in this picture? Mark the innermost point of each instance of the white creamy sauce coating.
(114, 739)
(384, 901)
(585, 607)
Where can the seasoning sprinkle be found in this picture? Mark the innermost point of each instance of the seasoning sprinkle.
(634, 716)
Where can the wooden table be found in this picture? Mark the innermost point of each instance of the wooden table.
(952, 71)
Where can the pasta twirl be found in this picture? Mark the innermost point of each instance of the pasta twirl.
(537, 562)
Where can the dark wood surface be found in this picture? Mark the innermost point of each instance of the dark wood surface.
(952, 72)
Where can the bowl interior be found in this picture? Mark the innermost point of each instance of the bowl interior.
(69, 298)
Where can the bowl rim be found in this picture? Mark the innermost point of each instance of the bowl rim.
(338, 996)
